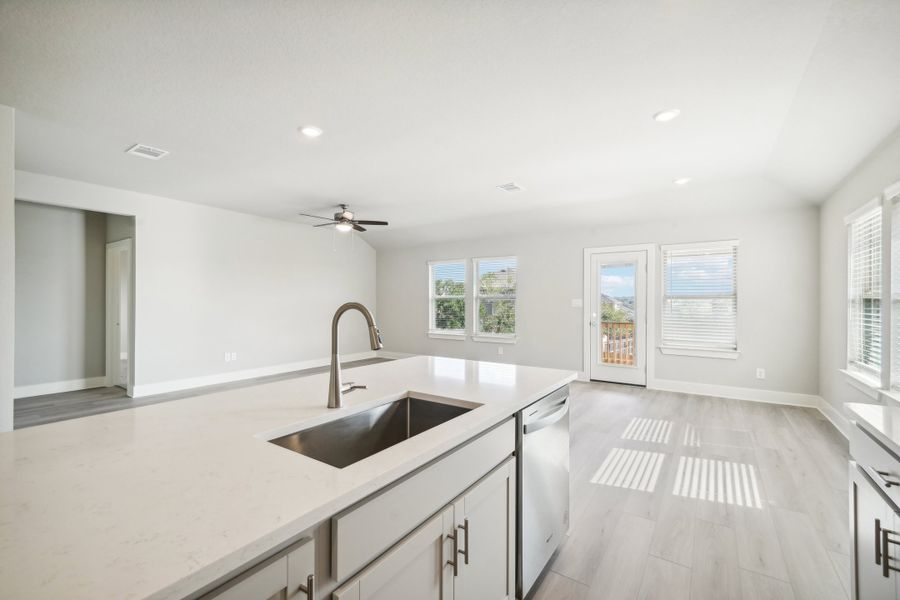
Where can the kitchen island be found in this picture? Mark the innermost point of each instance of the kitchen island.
(172, 500)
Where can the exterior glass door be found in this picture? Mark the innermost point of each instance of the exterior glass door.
(619, 317)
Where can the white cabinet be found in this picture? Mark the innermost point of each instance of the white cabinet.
(870, 515)
(486, 526)
(416, 568)
(476, 532)
(286, 576)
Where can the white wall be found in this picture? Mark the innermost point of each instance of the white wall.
(867, 181)
(7, 264)
(210, 281)
(60, 294)
(777, 297)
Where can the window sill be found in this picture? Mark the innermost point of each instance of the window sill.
(700, 352)
(440, 335)
(495, 339)
(867, 385)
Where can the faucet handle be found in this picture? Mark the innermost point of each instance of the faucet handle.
(350, 386)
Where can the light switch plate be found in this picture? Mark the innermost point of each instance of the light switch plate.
(577, 303)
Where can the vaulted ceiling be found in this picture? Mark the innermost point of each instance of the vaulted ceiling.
(428, 105)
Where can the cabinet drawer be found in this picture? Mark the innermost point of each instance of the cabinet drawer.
(361, 533)
(881, 464)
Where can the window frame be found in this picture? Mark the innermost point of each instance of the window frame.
(881, 386)
(477, 334)
(432, 330)
(864, 374)
(691, 350)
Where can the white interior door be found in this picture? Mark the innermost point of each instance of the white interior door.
(618, 311)
(118, 313)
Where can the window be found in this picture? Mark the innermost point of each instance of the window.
(447, 296)
(699, 312)
(495, 296)
(864, 292)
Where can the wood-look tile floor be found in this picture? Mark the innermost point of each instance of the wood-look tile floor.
(38, 410)
(678, 497)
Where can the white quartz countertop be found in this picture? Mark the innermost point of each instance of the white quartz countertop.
(158, 501)
(883, 422)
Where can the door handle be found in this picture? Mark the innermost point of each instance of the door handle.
(465, 551)
(455, 562)
(883, 548)
(883, 476)
(310, 588)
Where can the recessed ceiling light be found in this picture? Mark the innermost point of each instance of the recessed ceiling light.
(667, 115)
(682, 181)
(311, 131)
(512, 186)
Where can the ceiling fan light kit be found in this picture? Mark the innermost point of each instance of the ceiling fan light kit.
(344, 220)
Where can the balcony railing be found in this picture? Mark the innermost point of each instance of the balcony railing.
(617, 343)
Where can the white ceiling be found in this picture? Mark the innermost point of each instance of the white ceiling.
(428, 105)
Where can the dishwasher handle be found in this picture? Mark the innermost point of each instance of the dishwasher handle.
(547, 420)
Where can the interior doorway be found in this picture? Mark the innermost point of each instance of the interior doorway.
(119, 284)
(617, 331)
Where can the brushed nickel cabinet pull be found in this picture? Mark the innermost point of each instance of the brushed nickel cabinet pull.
(883, 475)
(455, 561)
(310, 588)
(465, 551)
(877, 541)
(885, 553)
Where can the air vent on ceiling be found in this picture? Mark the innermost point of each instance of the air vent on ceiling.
(511, 187)
(146, 152)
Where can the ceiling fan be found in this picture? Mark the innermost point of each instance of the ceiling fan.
(343, 220)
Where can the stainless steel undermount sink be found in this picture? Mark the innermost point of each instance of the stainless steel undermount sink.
(344, 441)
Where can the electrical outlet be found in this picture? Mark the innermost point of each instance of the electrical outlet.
(234, 356)
(499, 350)
(760, 373)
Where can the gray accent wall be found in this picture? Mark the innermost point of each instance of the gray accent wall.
(7, 264)
(778, 298)
(60, 294)
(880, 170)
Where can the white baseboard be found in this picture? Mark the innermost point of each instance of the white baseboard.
(163, 387)
(736, 393)
(56, 387)
(840, 422)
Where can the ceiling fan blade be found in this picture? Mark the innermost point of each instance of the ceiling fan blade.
(325, 224)
(315, 216)
(358, 228)
(362, 222)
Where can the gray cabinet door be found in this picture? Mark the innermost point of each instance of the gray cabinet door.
(416, 568)
(869, 510)
(486, 528)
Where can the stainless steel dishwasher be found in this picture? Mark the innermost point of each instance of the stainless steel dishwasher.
(542, 449)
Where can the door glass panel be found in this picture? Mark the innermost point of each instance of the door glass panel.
(616, 331)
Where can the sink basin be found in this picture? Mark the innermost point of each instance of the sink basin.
(345, 441)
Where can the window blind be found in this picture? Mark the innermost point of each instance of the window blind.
(895, 293)
(447, 291)
(864, 282)
(700, 296)
(496, 280)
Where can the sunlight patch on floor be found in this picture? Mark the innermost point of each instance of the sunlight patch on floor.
(656, 431)
(717, 481)
(630, 469)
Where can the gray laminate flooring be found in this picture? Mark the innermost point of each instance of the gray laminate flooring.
(38, 410)
(681, 497)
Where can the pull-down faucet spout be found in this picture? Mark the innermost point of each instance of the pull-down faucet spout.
(335, 385)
